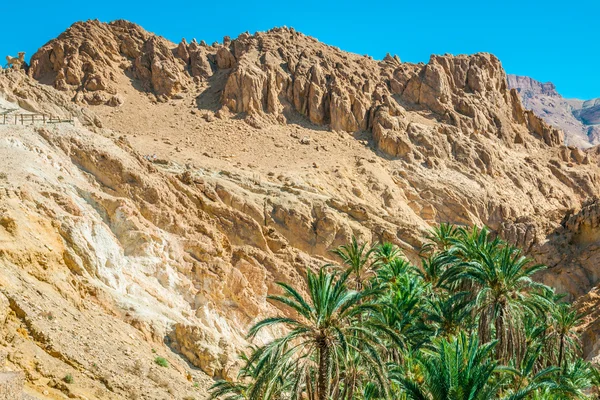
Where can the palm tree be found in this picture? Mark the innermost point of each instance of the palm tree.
(468, 244)
(562, 335)
(357, 376)
(402, 314)
(469, 324)
(390, 273)
(449, 315)
(434, 267)
(440, 238)
(327, 325)
(357, 257)
(501, 277)
(223, 389)
(456, 369)
(243, 387)
(574, 380)
(526, 378)
(386, 252)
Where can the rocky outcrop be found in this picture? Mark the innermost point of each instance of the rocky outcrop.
(577, 236)
(86, 57)
(157, 69)
(350, 93)
(580, 120)
(588, 112)
(281, 71)
(90, 58)
(31, 96)
(215, 355)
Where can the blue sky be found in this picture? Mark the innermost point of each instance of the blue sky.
(548, 40)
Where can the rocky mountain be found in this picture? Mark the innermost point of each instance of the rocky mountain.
(580, 120)
(196, 176)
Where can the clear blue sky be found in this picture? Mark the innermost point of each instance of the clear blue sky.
(550, 40)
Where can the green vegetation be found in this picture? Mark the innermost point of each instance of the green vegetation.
(469, 323)
(68, 378)
(161, 361)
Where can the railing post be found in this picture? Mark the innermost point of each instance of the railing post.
(21, 119)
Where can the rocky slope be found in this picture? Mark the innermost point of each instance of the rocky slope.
(196, 176)
(580, 120)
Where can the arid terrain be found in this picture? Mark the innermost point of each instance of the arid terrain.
(195, 176)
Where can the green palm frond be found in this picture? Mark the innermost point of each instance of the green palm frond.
(469, 323)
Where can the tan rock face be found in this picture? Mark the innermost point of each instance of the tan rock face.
(168, 225)
(351, 93)
(216, 356)
(31, 96)
(157, 68)
(87, 58)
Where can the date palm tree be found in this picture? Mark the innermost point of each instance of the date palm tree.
(244, 387)
(574, 381)
(357, 257)
(526, 376)
(468, 244)
(440, 238)
(562, 336)
(435, 266)
(469, 324)
(402, 314)
(448, 315)
(457, 369)
(386, 252)
(390, 273)
(501, 277)
(227, 390)
(327, 325)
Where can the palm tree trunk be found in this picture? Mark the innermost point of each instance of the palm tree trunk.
(560, 351)
(323, 378)
(309, 386)
(501, 336)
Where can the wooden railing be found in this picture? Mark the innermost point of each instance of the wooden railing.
(31, 119)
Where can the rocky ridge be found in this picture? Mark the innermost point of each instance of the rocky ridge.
(169, 215)
(282, 70)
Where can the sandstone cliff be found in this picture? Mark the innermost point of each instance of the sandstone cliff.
(206, 173)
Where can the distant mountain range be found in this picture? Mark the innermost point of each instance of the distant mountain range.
(579, 119)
